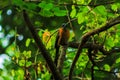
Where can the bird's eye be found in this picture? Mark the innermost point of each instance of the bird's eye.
(63, 25)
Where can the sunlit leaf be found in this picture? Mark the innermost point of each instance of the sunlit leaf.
(27, 42)
(73, 12)
(107, 67)
(22, 62)
(48, 6)
(109, 42)
(80, 1)
(46, 76)
(45, 6)
(28, 63)
(80, 18)
(101, 10)
(24, 53)
(28, 54)
(114, 7)
(118, 60)
(19, 74)
(17, 53)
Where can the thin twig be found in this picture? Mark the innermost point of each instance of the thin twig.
(61, 58)
(51, 36)
(93, 5)
(69, 20)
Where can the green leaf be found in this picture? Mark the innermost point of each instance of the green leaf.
(4, 3)
(19, 75)
(85, 10)
(17, 54)
(18, 2)
(22, 62)
(100, 75)
(80, 1)
(107, 67)
(110, 42)
(80, 18)
(27, 42)
(73, 12)
(42, 4)
(46, 9)
(31, 6)
(46, 76)
(101, 10)
(27, 54)
(28, 63)
(118, 60)
(24, 53)
(59, 12)
(22, 4)
(46, 6)
(117, 1)
(46, 13)
(115, 6)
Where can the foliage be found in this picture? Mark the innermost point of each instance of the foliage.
(25, 58)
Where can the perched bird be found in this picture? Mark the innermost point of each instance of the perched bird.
(61, 39)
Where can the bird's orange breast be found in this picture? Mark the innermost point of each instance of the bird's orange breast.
(64, 35)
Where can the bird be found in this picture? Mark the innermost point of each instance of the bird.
(61, 40)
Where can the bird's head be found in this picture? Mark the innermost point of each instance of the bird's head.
(64, 25)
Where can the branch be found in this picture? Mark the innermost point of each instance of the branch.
(92, 61)
(94, 46)
(42, 48)
(92, 5)
(61, 58)
(69, 20)
(85, 37)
